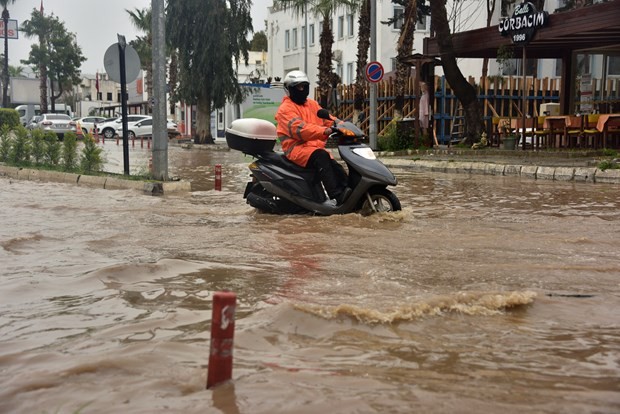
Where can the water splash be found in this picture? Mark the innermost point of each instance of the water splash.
(467, 303)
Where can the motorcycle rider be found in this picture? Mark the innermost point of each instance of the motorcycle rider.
(303, 134)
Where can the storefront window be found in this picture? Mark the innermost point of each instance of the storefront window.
(613, 66)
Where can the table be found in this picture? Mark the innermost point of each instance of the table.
(607, 122)
(553, 121)
(556, 126)
(603, 120)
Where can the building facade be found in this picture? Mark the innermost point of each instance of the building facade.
(99, 94)
(294, 39)
(292, 46)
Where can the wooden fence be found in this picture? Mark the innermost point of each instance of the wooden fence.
(500, 96)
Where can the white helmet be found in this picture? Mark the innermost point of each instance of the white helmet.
(294, 78)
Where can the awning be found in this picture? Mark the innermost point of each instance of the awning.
(593, 29)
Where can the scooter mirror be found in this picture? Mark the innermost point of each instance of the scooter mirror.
(323, 113)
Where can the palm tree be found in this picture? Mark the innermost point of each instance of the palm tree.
(323, 9)
(5, 18)
(141, 19)
(40, 26)
(363, 44)
(404, 47)
(16, 71)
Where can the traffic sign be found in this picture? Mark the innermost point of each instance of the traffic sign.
(374, 71)
(112, 65)
(12, 33)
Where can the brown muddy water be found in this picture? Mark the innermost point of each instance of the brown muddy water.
(485, 294)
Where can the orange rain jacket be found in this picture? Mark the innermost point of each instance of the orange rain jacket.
(300, 130)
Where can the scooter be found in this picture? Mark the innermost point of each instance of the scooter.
(279, 186)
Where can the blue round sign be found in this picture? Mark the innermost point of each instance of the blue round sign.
(374, 71)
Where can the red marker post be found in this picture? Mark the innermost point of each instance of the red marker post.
(222, 333)
(218, 177)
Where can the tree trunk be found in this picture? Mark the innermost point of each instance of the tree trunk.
(490, 11)
(363, 44)
(173, 75)
(52, 97)
(203, 122)
(148, 79)
(465, 92)
(43, 88)
(404, 47)
(325, 62)
(149, 70)
(43, 78)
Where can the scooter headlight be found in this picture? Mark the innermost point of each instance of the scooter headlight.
(365, 152)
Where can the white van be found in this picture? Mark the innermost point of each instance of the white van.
(26, 112)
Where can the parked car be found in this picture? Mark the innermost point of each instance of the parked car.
(58, 123)
(108, 129)
(88, 123)
(33, 122)
(144, 127)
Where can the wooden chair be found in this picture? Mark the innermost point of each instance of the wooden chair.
(541, 134)
(611, 132)
(591, 135)
(574, 131)
(530, 125)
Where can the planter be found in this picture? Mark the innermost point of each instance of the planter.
(510, 143)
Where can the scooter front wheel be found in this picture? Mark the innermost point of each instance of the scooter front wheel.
(379, 200)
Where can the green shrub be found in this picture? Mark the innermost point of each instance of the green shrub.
(39, 148)
(608, 165)
(20, 150)
(401, 135)
(52, 148)
(69, 151)
(393, 140)
(9, 117)
(91, 159)
(6, 142)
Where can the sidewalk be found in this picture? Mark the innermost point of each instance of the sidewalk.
(544, 165)
(579, 166)
(95, 181)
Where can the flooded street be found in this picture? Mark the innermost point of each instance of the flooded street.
(485, 294)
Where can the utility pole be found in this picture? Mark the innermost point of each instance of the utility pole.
(372, 130)
(160, 129)
(5, 80)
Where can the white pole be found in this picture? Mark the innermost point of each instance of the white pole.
(372, 130)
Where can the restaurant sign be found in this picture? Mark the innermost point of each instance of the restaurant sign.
(523, 23)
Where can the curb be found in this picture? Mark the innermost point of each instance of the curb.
(578, 174)
(96, 181)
